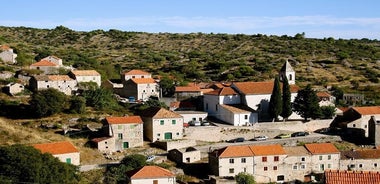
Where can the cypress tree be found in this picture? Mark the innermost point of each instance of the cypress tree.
(286, 99)
(275, 103)
(306, 104)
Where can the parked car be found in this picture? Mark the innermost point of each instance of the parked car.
(298, 134)
(205, 123)
(282, 136)
(239, 139)
(186, 125)
(195, 123)
(150, 158)
(260, 138)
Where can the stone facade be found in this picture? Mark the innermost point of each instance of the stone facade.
(86, 76)
(62, 83)
(7, 55)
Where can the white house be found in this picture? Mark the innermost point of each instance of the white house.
(140, 88)
(298, 162)
(86, 76)
(161, 124)
(192, 115)
(324, 156)
(14, 88)
(358, 117)
(135, 74)
(45, 66)
(360, 160)
(64, 151)
(54, 59)
(325, 99)
(62, 83)
(7, 55)
(151, 175)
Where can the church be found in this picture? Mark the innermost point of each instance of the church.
(245, 103)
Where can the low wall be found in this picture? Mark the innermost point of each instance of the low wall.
(175, 144)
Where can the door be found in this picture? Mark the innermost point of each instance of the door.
(125, 145)
(155, 181)
(168, 135)
(68, 160)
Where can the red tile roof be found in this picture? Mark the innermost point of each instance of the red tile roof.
(4, 47)
(136, 72)
(323, 94)
(157, 112)
(187, 89)
(321, 148)
(237, 108)
(250, 88)
(143, 80)
(235, 151)
(150, 172)
(56, 148)
(100, 139)
(85, 72)
(351, 177)
(274, 149)
(223, 91)
(44, 63)
(361, 154)
(124, 120)
(367, 110)
(53, 78)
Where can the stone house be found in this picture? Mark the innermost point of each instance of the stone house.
(161, 124)
(374, 130)
(14, 88)
(188, 155)
(62, 83)
(298, 162)
(124, 132)
(7, 55)
(135, 74)
(64, 151)
(54, 59)
(86, 76)
(185, 92)
(325, 99)
(323, 156)
(140, 88)
(360, 160)
(151, 175)
(104, 144)
(192, 115)
(351, 177)
(46, 67)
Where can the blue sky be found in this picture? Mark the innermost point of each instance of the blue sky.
(317, 18)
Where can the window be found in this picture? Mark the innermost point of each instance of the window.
(328, 157)
(303, 166)
(303, 159)
(264, 159)
(365, 126)
(375, 165)
(243, 160)
(290, 77)
(320, 157)
(68, 160)
(231, 161)
(119, 127)
(360, 165)
(162, 122)
(329, 166)
(120, 136)
(158, 135)
(216, 107)
(295, 167)
(245, 116)
(353, 125)
(322, 167)
(275, 168)
(177, 133)
(352, 166)
(265, 168)
(276, 158)
(280, 178)
(173, 122)
(231, 170)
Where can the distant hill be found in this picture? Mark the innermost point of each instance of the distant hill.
(203, 57)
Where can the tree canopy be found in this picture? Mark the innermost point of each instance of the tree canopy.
(286, 99)
(25, 164)
(275, 103)
(306, 103)
(47, 102)
(245, 178)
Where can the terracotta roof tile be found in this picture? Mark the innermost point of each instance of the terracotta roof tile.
(361, 154)
(274, 149)
(367, 110)
(235, 151)
(100, 139)
(85, 72)
(296, 151)
(237, 108)
(44, 63)
(52, 78)
(56, 147)
(321, 148)
(4, 47)
(183, 104)
(187, 89)
(136, 72)
(323, 94)
(351, 177)
(223, 91)
(250, 88)
(150, 172)
(124, 120)
(143, 80)
(157, 112)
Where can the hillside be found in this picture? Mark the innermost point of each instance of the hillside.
(204, 57)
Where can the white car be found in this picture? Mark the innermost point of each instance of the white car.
(260, 138)
(150, 158)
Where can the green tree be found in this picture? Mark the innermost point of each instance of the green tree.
(245, 178)
(116, 174)
(25, 164)
(306, 103)
(100, 99)
(328, 112)
(167, 86)
(77, 104)
(275, 103)
(47, 102)
(286, 99)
